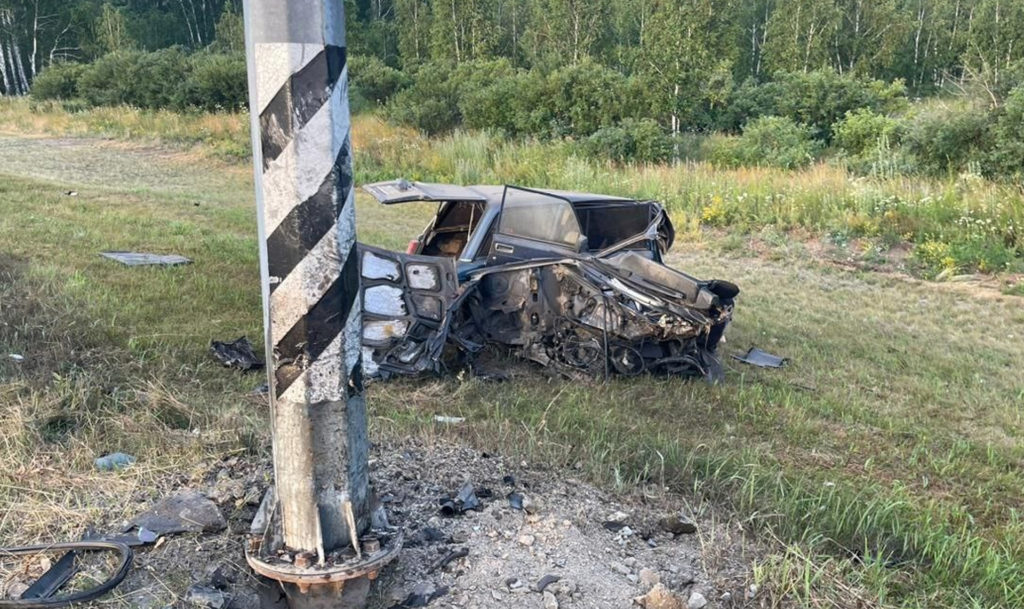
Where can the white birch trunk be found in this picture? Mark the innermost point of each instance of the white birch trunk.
(3, 72)
(35, 41)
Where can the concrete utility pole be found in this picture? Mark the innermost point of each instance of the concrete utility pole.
(309, 534)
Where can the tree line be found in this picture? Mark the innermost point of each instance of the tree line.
(628, 79)
(35, 34)
(926, 43)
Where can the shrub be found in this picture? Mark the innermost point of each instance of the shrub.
(59, 81)
(817, 99)
(631, 140)
(111, 79)
(496, 105)
(159, 76)
(491, 95)
(948, 136)
(136, 78)
(586, 97)
(431, 104)
(777, 141)
(860, 131)
(375, 81)
(723, 150)
(1006, 159)
(216, 81)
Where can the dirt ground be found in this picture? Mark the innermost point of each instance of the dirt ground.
(594, 549)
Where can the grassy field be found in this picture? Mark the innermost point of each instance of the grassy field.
(885, 462)
(933, 228)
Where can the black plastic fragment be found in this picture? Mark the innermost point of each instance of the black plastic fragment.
(546, 581)
(515, 501)
(421, 599)
(448, 558)
(449, 508)
(425, 536)
(613, 525)
(50, 582)
(236, 354)
(463, 502)
(761, 359)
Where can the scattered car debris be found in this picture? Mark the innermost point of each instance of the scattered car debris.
(515, 501)
(761, 359)
(146, 259)
(55, 577)
(206, 596)
(546, 581)
(422, 595)
(463, 502)
(140, 537)
(490, 375)
(187, 511)
(426, 536)
(236, 354)
(71, 193)
(16, 357)
(572, 281)
(41, 592)
(445, 560)
(448, 420)
(146, 536)
(113, 461)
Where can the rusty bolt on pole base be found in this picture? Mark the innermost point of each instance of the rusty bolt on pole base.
(339, 584)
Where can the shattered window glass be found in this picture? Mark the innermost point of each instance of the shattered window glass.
(533, 215)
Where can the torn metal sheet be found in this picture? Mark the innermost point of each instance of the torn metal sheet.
(146, 259)
(187, 511)
(236, 354)
(761, 359)
(572, 281)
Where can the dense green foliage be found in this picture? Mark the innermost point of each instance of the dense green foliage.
(168, 78)
(629, 80)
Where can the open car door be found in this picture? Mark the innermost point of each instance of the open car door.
(405, 305)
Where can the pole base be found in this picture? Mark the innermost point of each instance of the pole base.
(353, 594)
(341, 583)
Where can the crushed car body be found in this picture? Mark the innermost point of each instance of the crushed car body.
(573, 281)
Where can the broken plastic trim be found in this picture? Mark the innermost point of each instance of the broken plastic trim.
(95, 592)
(761, 359)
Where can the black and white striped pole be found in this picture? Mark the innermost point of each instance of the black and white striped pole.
(310, 532)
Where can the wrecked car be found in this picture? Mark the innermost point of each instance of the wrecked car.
(573, 281)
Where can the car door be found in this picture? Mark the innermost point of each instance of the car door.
(405, 310)
(534, 224)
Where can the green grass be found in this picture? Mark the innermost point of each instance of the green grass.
(962, 224)
(882, 466)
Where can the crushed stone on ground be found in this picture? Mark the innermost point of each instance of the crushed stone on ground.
(572, 545)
